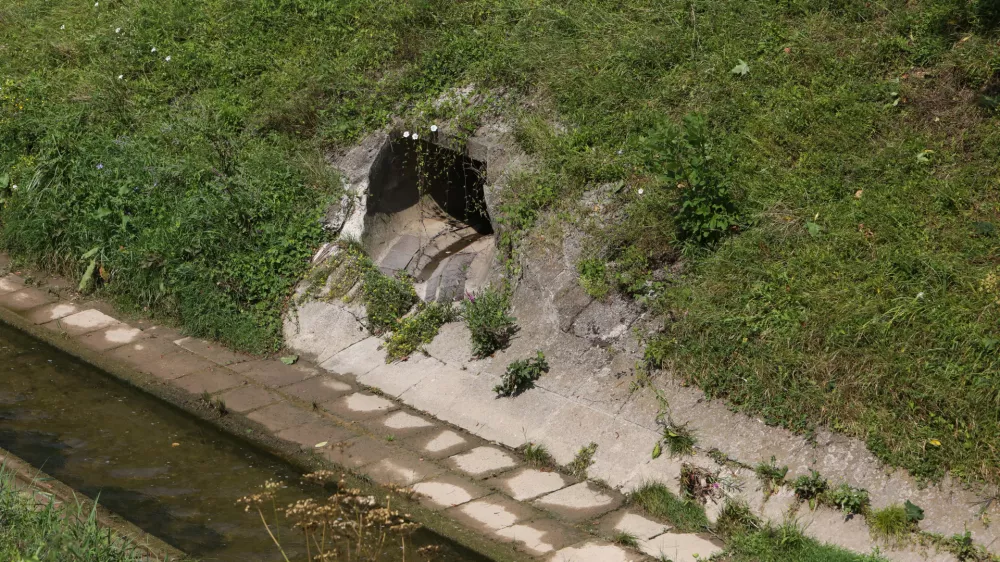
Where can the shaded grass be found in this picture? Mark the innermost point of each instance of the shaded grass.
(786, 543)
(686, 516)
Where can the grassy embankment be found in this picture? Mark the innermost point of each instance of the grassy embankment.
(858, 139)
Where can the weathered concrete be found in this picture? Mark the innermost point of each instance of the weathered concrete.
(214, 352)
(402, 470)
(51, 312)
(633, 524)
(529, 483)
(448, 490)
(358, 406)
(247, 398)
(357, 359)
(272, 373)
(82, 323)
(580, 501)
(211, 380)
(319, 330)
(318, 389)
(113, 337)
(680, 547)
(594, 551)
(10, 284)
(443, 443)
(314, 433)
(483, 462)
(26, 299)
(542, 536)
(282, 415)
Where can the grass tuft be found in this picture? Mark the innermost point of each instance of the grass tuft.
(685, 515)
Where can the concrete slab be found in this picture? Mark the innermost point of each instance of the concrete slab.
(402, 469)
(83, 323)
(26, 299)
(594, 552)
(680, 547)
(50, 312)
(448, 490)
(212, 380)
(356, 453)
(530, 483)
(400, 425)
(321, 329)
(282, 415)
(492, 513)
(273, 373)
(483, 462)
(214, 352)
(542, 536)
(247, 398)
(359, 406)
(113, 337)
(319, 389)
(10, 284)
(638, 526)
(580, 501)
(316, 432)
(161, 358)
(444, 443)
(358, 359)
(396, 378)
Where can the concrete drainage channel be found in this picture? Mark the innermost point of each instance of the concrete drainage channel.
(483, 487)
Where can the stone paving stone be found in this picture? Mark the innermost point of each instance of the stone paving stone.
(246, 398)
(282, 415)
(400, 425)
(50, 312)
(357, 452)
(492, 513)
(110, 338)
(83, 323)
(161, 358)
(625, 521)
(273, 373)
(541, 536)
(580, 501)
(529, 483)
(26, 299)
(10, 283)
(401, 468)
(448, 490)
(396, 378)
(359, 406)
(441, 444)
(357, 359)
(483, 462)
(680, 547)
(318, 389)
(313, 433)
(209, 380)
(594, 552)
(214, 352)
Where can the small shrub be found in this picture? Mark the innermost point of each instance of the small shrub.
(537, 455)
(699, 484)
(890, 523)
(418, 330)
(771, 476)
(850, 500)
(584, 458)
(387, 299)
(810, 488)
(521, 375)
(486, 316)
(594, 277)
(685, 515)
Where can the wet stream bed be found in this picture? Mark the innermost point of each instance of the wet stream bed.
(174, 476)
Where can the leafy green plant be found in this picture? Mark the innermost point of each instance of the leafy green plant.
(810, 487)
(914, 514)
(582, 461)
(593, 277)
(387, 300)
(678, 438)
(417, 330)
(771, 476)
(521, 375)
(850, 500)
(486, 315)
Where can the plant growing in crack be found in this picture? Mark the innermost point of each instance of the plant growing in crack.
(537, 455)
(810, 487)
(521, 375)
(486, 315)
(583, 461)
(771, 476)
(679, 439)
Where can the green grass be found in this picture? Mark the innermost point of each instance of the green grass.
(787, 544)
(56, 534)
(856, 157)
(889, 523)
(686, 516)
(418, 330)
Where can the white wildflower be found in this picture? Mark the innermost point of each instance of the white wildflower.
(406, 134)
(920, 295)
(167, 59)
(153, 50)
(415, 136)
(434, 128)
(118, 30)
(120, 76)
(62, 26)
(14, 187)
(641, 191)
(96, 4)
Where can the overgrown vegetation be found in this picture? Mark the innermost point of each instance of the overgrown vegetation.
(35, 532)
(771, 476)
(486, 315)
(852, 501)
(685, 515)
(787, 543)
(890, 523)
(417, 330)
(810, 488)
(387, 300)
(521, 375)
(582, 461)
(537, 455)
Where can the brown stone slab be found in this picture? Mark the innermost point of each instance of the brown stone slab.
(313, 433)
(246, 398)
(161, 358)
(10, 283)
(448, 490)
(273, 373)
(355, 453)
(82, 322)
(50, 312)
(318, 389)
(26, 299)
(214, 352)
(210, 380)
(402, 468)
(282, 415)
(113, 337)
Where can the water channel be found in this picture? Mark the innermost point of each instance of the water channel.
(113, 442)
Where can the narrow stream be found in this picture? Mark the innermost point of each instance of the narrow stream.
(115, 443)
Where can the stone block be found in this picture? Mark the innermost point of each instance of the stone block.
(400, 425)
(26, 299)
(318, 389)
(401, 468)
(483, 462)
(530, 483)
(83, 323)
(283, 415)
(210, 380)
(213, 351)
(359, 406)
(580, 502)
(356, 453)
(633, 524)
(247, 398)
(594, 551)
(273, 374)
(161, 358)
(316, 432)
(358, 359)
(319, 329)
(680, 547)
(492, 513)
(396, 378)
(111, 338)
(10, 283)
(443, 443)
(447, 490)
(540, 537)
(50, 312)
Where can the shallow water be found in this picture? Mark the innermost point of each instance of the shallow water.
(115, 443)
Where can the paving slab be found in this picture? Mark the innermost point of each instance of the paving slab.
(318, 389)
(680, 547)
(82, 323)
(214, 352)
(594, 552)
(359, 406)
(161, 358)
(443, 443)
(316, 432)
(10, 283)
(26, 299)
(448, 490)
(247, 398)
(358, 359)
(402, 468)
(639, 526)
(483, 462)
(273, 373)
(492, 513)
(211, 380)
(113, 337)
(530, 483)
(400, 425)
(396, 378)
(580, 501)
(356, 453)
(542, 536)
(50, 312)
(282, 415)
